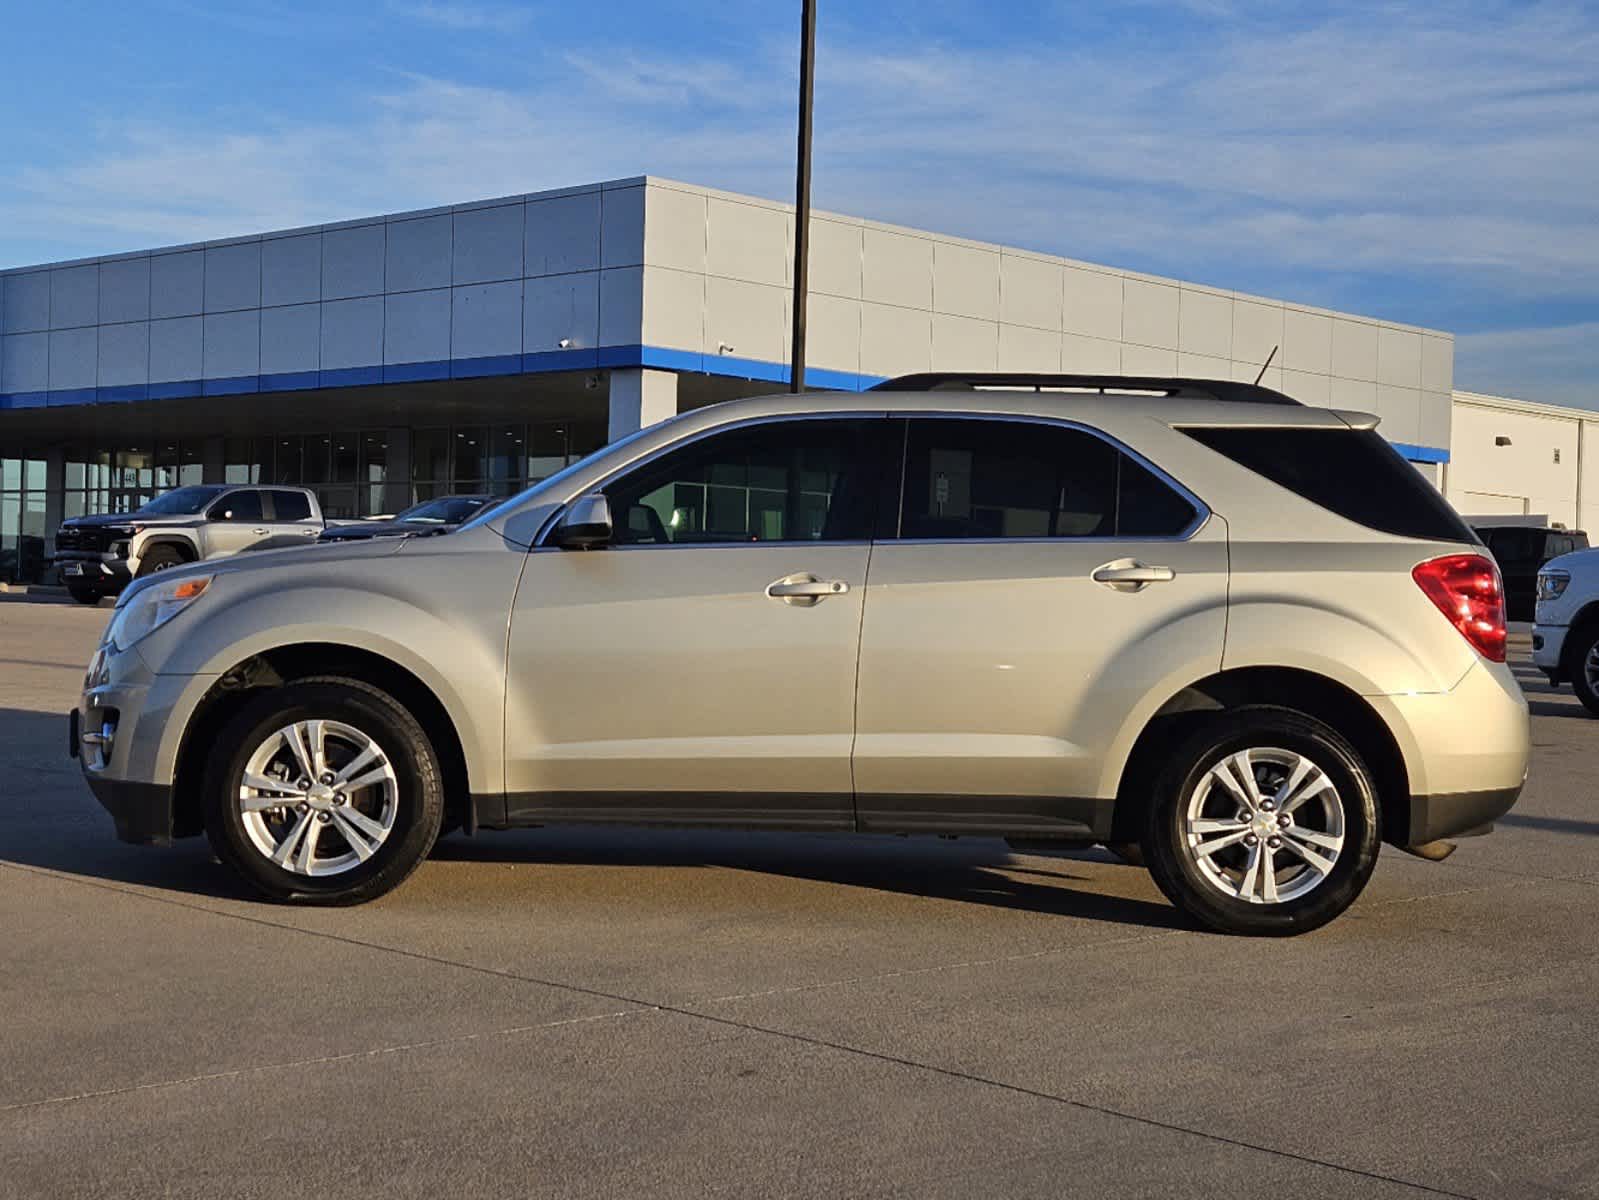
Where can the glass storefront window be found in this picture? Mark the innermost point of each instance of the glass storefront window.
(471, 453)
(430, 455)
(345, 458)
(286, 465)
(318, 459)
(546, 452)
(507, 456)
(191, 462)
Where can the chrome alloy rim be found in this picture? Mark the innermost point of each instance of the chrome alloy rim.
(1264, 825)
(318, 797)
(1590, 668)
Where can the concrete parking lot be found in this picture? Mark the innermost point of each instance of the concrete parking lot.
(591, 1013)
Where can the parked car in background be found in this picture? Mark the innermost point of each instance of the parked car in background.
(1198, 616)
(1565, 631)
(431, 516)
(96, 556)
(1520, 550)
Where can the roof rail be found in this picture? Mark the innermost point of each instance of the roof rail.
(1184, 389)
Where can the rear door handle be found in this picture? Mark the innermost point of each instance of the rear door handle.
(260, 532)
(804, 589)
(1130, 575)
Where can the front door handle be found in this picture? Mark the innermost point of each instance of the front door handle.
(1130, 575)
(805, 589)
(260, 532)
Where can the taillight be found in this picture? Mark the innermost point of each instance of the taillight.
(1467, 590)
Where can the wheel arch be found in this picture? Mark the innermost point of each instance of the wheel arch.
(1583, 623)
(283, 664)
(186, 546)
(1314, 695)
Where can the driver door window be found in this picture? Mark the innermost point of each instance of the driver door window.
(788, 481)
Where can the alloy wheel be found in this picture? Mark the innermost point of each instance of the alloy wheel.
(318, 798)
(1264, 825)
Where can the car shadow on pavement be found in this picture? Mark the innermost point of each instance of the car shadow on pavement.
(1551, 824)
(1557, 708)
(50, 821)
(972, 870)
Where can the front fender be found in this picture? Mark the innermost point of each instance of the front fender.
(444, 626)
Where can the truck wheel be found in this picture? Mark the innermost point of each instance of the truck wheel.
(84, 595)
(1582, 665)
(1264, 822)
(160, 558)
(324, 791)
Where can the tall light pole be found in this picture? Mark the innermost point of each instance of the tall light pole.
(802, 195)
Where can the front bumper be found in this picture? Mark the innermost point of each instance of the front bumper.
(103, 572)
(1548, 644)
(125, 734)
(142, 811)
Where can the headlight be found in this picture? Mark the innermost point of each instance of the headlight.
(149, 608)
(1551, 584)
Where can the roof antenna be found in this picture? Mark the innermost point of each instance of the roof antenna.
(1264, 365)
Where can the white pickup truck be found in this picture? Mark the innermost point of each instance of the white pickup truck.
(98, 555)
(1565, 632)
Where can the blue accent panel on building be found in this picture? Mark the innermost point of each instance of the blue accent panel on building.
(233, 385)
(745, 368)
(291, 381)
(352, 377)
(174, 389)
(24, 399)
(69, 396)
(493, 364)
(560, 360)
(416, 372)
(125, 393)
(1424, 454)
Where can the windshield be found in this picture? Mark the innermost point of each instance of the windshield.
(184, 502)
(449, 510)
(490, 512)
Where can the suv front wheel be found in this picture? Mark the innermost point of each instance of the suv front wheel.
(1264, 821)
(324, 791)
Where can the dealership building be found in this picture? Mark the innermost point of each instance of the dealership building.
(483, 345)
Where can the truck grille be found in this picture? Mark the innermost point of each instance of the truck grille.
(94, 539)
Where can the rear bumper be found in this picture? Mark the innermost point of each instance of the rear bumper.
(1465, 751)
(1457, 814)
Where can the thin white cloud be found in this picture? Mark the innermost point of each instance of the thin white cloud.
(462, 16)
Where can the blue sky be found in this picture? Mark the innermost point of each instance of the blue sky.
(1421, 160)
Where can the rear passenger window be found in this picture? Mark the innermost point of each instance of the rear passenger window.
(1352, 472)
(291, 506)
(976, 479)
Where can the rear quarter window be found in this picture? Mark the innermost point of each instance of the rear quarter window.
(1354, 473)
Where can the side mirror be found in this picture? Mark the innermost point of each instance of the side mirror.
(585, 524)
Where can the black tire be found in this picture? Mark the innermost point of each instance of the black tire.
(84, 595)
(1176, 867)
(418, 805)
(1580, 643)
(159, 558)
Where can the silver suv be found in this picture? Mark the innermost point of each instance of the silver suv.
(1196, 618)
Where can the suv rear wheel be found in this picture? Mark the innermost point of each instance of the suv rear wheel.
(1264, 821)
(324, 791)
